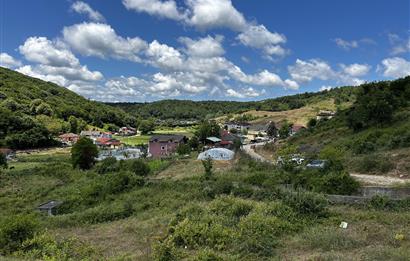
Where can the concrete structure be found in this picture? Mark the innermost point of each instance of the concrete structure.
(217, 154)
(165, 145)
(121, 154)
(325, 115)
(50, 207)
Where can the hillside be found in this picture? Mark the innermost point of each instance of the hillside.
(372, 136)
(198, 110)
(31, 110)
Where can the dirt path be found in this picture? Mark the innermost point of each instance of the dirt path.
(362, 178)
(251, 152)
(378, 180)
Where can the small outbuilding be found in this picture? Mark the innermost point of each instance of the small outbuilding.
(217, 154)
(50, 207)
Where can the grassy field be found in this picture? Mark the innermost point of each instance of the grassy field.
(144, 139)
(297, 116)
(134, 223)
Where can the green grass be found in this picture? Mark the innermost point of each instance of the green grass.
(232, 211)
(134, 140)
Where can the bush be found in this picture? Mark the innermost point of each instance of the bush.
(45, 247)
(183, 149)
(108, 165)
(15, 230)
(340, 183)
(306, 203)
(373, 163)
(139, 167)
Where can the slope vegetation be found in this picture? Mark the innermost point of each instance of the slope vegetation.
(31, 110)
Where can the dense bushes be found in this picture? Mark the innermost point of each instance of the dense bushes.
(237, 226)
(15, 230)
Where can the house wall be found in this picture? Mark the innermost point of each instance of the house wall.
(155, 148)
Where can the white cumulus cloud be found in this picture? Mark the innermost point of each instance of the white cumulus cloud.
(8, 61)
(84, 8)
(96, 39)
(395, 67)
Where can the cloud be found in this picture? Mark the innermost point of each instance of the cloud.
(96, 39)
(346, 45)
(244, 93)
(164, 56)
(41, 50)
(166, 9)
(353, 44)
(356, 70)
(8, 61)
(257, 36)
(83, 8)
(211, 14)
(395, 67)
(399, 45)
(307, 71)
(325, 88)
(204, 47)
(54, 62)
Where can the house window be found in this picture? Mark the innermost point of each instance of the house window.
(162, 147)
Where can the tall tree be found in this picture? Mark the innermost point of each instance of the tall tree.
(83, 153)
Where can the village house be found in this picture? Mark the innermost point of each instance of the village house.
(239, 126)
(127, 131)
(69, 138)
(165, 145)
(325, 115)
(295, 129)
(108, 143)
(93, 135)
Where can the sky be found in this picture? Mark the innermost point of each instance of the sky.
(147, 50)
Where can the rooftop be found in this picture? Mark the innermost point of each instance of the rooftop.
(167, 138)
(50, 204)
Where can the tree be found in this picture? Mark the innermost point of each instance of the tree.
(73, 124)
(83, 153)
(312, 123)
(193, 143)
(183, 149)
(233, 131)
(272, 131)
(284, 130)
(3, 161)
(208, 168)
(147, 126)
(208, 129)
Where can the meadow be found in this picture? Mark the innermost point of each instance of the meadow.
(241, 213)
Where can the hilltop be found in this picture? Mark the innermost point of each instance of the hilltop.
(32, 110)
(199, 110)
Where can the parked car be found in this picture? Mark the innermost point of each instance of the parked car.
(317, 164)
(297, 159)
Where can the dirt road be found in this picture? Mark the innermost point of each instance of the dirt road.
(378, 180)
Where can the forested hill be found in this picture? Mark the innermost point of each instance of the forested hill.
(198, 110)
(32, 110)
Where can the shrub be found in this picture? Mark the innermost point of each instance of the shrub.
(139, 167)
(208, 168)
(373, 163)
(183, 149)
(15, 230)
(340, 183)
(259, 233)
(45, 247)
(108, 165)
(306, 203)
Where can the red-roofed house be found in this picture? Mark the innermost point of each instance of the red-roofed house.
(69, 138)
(108, 143)
(296, 128)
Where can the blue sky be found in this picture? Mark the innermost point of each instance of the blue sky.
(145, 50)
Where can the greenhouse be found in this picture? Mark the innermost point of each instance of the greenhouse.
(217, 154)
